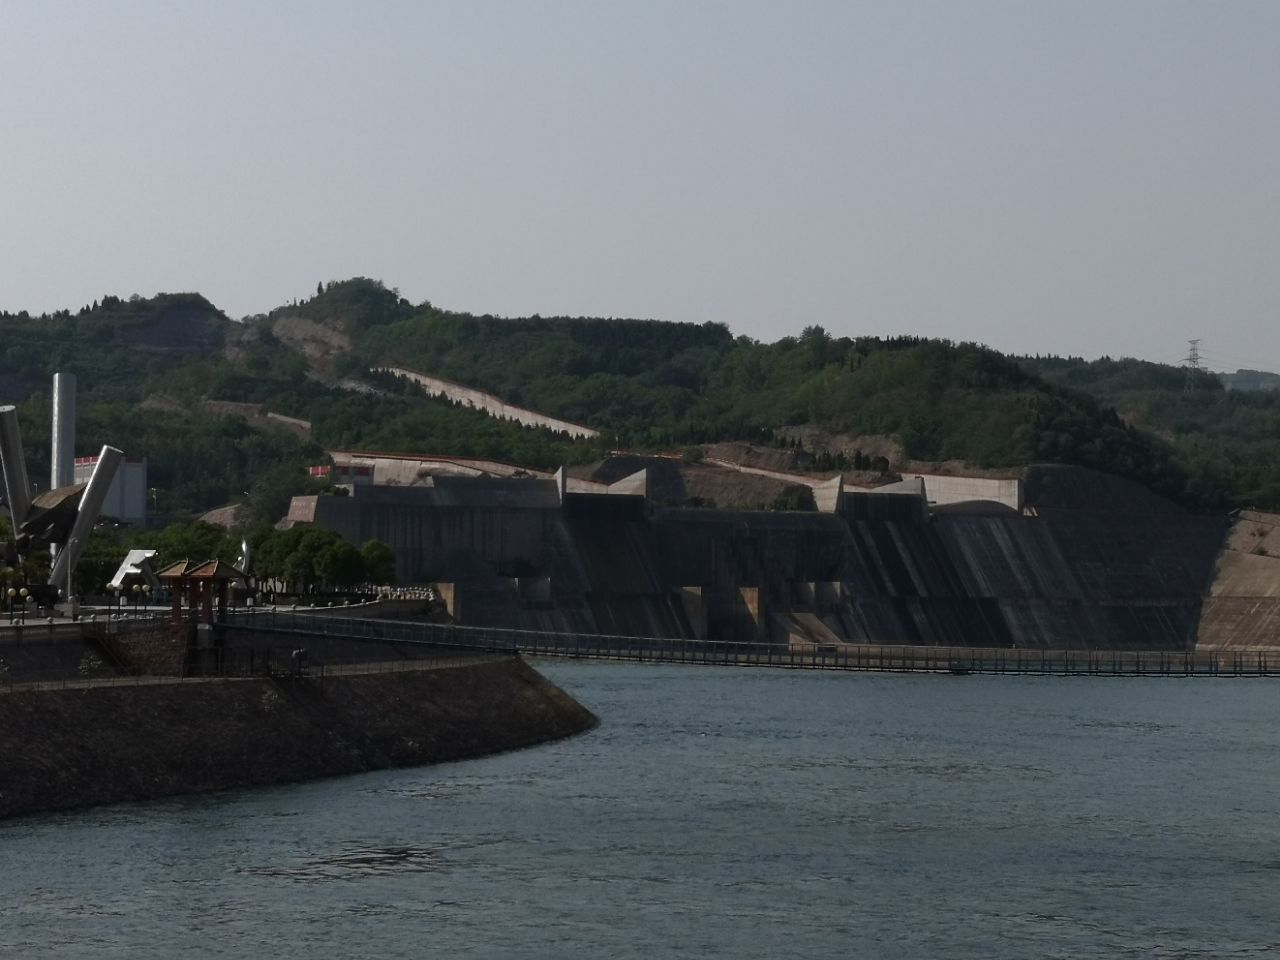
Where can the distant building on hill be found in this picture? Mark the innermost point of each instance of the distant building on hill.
(127, 496)
(356, 474)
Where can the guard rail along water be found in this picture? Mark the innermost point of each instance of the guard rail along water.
(902, 659)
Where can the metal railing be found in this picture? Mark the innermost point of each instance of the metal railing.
(276, 663)
(843, 656)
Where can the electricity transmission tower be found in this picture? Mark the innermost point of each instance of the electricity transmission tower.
(1192, 361)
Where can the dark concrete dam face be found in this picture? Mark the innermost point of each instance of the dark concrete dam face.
(1093, 561)
(89, 745)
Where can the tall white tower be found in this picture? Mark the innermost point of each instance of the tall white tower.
(63, 448)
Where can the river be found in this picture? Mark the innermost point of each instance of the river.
(719, 812)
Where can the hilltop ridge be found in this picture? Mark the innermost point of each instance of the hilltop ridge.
(645, 385)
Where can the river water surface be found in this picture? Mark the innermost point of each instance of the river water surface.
(720, 812)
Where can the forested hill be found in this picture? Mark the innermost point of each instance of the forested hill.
(664, 385)
(1226, 439)
(115, 346)
(172, 379)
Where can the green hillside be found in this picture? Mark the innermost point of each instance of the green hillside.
(1226, 441)
(658, 385)
(172, 379)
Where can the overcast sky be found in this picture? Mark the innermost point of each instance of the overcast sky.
(1057, 177)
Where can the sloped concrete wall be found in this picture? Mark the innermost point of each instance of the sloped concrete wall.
(1100, 563)
(62, 749)
(1242, 612)
(942, 489)
(1093, 562)
(432, 540)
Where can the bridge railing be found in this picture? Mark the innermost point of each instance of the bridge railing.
(842, 656)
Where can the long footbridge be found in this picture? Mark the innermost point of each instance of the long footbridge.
(294, 627)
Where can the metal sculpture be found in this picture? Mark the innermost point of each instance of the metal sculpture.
(17, 487)
(64, 516)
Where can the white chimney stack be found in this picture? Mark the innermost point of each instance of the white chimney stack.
(63, 449)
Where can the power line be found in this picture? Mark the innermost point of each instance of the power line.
(1224, 363)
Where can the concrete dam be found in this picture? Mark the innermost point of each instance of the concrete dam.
(1091, 561)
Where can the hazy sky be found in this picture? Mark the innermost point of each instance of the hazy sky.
(1069, 177)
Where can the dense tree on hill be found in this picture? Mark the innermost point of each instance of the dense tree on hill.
(350, 304)
(644, 385)
(1224, 444)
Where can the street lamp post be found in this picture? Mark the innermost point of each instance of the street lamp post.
(23, 596)
(71, 545)
(137, 589)
(11, 594)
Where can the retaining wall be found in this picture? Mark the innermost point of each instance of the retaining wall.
(1242, 611)
(61, 749)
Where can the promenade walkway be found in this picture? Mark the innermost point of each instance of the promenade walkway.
(839, 656)
(318, 672)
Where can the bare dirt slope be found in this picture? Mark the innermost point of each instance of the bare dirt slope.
(320, 343)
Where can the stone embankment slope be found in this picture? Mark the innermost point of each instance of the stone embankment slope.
(490, 404)
(1242, 611)
(88, 745)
